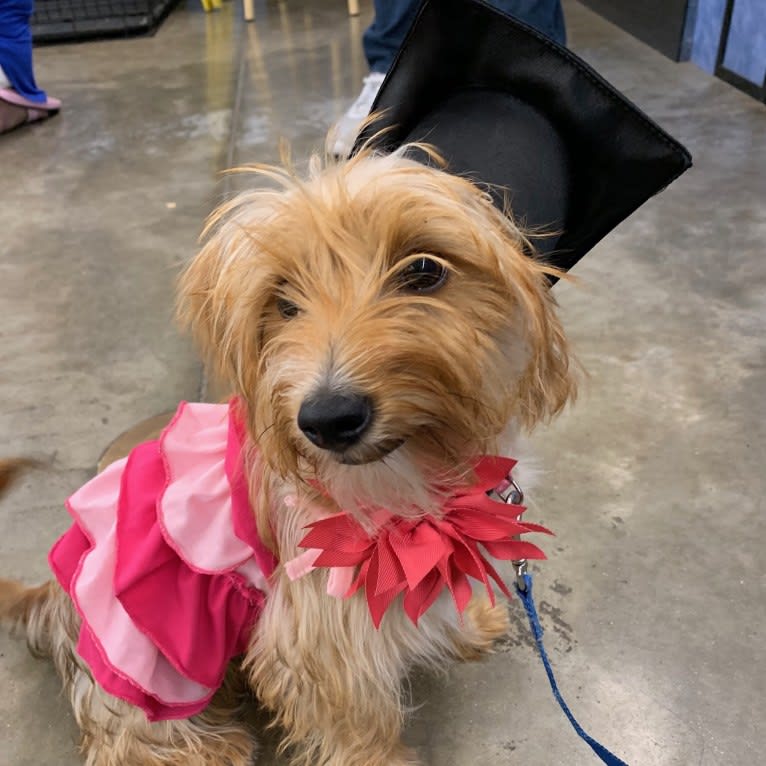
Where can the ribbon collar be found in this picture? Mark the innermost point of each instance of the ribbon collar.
(421, 557)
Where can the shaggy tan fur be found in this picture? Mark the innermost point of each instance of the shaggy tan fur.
(451, 373)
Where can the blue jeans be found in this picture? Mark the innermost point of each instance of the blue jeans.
(393, 19)
(16, 48)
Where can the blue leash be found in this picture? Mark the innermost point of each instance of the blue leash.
(534, 622)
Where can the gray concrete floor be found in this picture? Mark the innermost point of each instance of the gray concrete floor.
(653, 598)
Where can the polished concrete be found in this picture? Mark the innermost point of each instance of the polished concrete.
(653, 597)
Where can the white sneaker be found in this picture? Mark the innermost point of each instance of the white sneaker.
(340, 142)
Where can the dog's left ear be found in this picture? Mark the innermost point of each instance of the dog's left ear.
(549, 381)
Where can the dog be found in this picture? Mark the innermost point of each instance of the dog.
(381, 324)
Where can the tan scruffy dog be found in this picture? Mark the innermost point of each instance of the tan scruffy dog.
(383, 325)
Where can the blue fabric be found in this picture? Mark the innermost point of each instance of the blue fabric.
(746, 44)
(16, 48)
(393, 18)
(534, 622)
(707, 33)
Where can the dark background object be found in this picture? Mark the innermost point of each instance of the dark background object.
(667, 25)
(74, 20)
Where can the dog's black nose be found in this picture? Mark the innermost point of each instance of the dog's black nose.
(335, 421)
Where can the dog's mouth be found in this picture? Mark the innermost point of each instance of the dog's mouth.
(369, 454)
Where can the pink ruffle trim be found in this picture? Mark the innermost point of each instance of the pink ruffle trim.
(165, 566)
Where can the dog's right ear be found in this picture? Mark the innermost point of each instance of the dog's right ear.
(223, 292)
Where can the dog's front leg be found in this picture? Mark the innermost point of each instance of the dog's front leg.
(331, 679)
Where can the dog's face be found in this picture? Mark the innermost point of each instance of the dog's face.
(381, 323)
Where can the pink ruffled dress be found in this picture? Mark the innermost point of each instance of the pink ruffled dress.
(165, 566)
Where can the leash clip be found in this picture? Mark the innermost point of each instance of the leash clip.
(520, 570)
(510, 492)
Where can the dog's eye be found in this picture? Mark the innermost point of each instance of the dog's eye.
(423, 275)
(287, 309)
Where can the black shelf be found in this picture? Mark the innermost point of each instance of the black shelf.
(76, 20)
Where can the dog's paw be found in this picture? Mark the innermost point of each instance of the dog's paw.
(483, 625)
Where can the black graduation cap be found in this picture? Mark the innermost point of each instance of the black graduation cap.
(506, 106)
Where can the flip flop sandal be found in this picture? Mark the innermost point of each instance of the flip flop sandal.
(16, 110)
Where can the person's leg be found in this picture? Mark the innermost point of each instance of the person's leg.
(381, 41)
(21, 101)
(384, 36)
(393, 18)
(16, 49)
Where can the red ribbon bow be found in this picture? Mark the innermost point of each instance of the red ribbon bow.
(421, 557)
